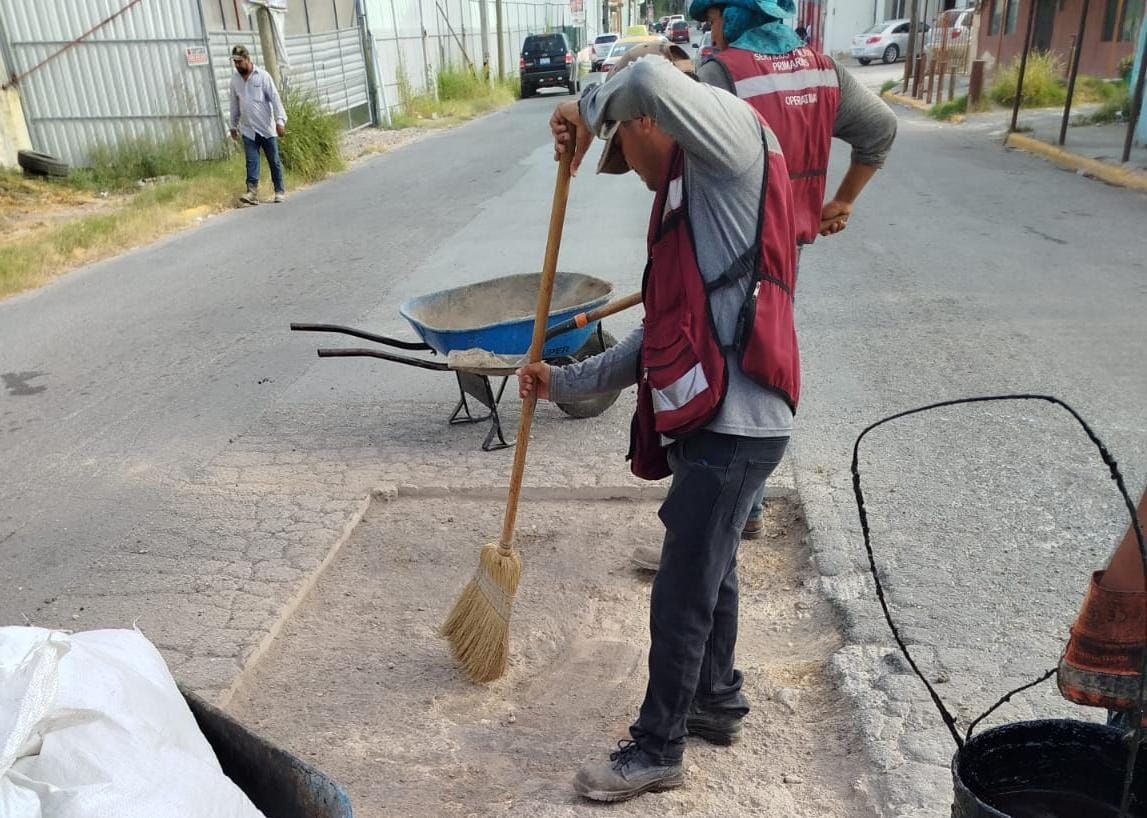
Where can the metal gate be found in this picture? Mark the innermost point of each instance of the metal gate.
(94, 72)
(328, 65)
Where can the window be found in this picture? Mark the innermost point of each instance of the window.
(994, 17)
(902, 28)
(1128, 27)
(1132, 17)
(1012, 15)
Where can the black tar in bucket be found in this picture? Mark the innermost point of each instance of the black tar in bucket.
(1053, 768)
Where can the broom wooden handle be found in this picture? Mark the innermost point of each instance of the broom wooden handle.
(541, 318)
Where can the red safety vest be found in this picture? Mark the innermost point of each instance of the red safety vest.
(683, 375)
(798, 94)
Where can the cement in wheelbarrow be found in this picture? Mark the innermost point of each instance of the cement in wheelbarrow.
(498, 315)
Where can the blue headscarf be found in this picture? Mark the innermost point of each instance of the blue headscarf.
(754, 25)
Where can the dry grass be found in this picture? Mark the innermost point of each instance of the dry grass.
(48, 227)
(52, 227)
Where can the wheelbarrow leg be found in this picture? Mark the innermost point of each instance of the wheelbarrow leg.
(478, 387)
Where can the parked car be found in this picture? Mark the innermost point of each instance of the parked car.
(887, 41)
(601, 45)
(661, 23)
(704, 48)
(953, 28)
(619, 48)
(547, 61)
(679, 32)
(626, 43)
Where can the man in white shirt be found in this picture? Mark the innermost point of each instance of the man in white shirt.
(258, 114)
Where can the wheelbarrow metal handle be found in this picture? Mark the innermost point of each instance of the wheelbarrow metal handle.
(437, 366)
(358, 333)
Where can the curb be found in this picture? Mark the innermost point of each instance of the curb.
(287, 611)
(1104, 171)
(907, 102)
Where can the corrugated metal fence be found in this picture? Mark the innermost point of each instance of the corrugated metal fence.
(94, 72)
(329, 65)
(134, 77)
(419, 38)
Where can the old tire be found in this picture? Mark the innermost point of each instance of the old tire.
(891, 54)
(594, 405)
(41, 164)
(863, 60)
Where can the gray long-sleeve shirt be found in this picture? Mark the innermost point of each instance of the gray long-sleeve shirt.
(863, 120)
(255, 104)
(724, 156)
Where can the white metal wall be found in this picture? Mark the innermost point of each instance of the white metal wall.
(843, 20)
(131, 78)
(329, 65)
(418, 38)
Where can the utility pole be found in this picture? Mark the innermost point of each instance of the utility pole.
(485, 24)
(501, 38)
(267, 42)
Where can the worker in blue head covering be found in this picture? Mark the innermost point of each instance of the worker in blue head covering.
(752, 25)
(807, 99)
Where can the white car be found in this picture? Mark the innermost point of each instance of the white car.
(622, 45)
(953, 29)
(601, 45)
(887, 41)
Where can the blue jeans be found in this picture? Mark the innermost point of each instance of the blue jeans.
(270, 146)
(693, 606)
(757, 511)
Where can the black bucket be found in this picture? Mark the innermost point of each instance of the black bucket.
(1050, 768)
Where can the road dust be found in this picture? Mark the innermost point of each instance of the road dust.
(359, 683)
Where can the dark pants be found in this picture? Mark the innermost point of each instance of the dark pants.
(693, 608)
(270, 146)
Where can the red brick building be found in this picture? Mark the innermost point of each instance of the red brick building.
(1112, 28)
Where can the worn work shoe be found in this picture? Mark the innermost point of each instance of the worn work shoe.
(1104, 655)
(250, 198)
(754, 528)
(280, 198)
(629, 773)
(646, 557)
(716, 728)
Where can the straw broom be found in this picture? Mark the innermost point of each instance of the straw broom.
(478, 627)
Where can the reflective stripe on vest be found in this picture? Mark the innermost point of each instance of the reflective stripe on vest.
(780, 83)
(675, 197)
(681, 391)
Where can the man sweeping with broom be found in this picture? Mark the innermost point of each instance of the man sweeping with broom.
(718, 378)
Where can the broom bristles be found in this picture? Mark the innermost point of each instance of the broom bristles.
(478, 627)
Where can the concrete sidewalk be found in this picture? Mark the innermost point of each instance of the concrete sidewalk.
(1092, 150)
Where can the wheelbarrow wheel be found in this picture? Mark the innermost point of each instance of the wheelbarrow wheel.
(593, 406)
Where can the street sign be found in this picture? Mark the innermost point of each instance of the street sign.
(197, 55)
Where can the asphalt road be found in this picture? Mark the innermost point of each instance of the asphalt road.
(966, 270)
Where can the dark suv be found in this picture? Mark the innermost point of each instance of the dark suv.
(547, 61)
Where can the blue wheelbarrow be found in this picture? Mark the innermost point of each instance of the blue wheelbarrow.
(279, 784)
(497, 317)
